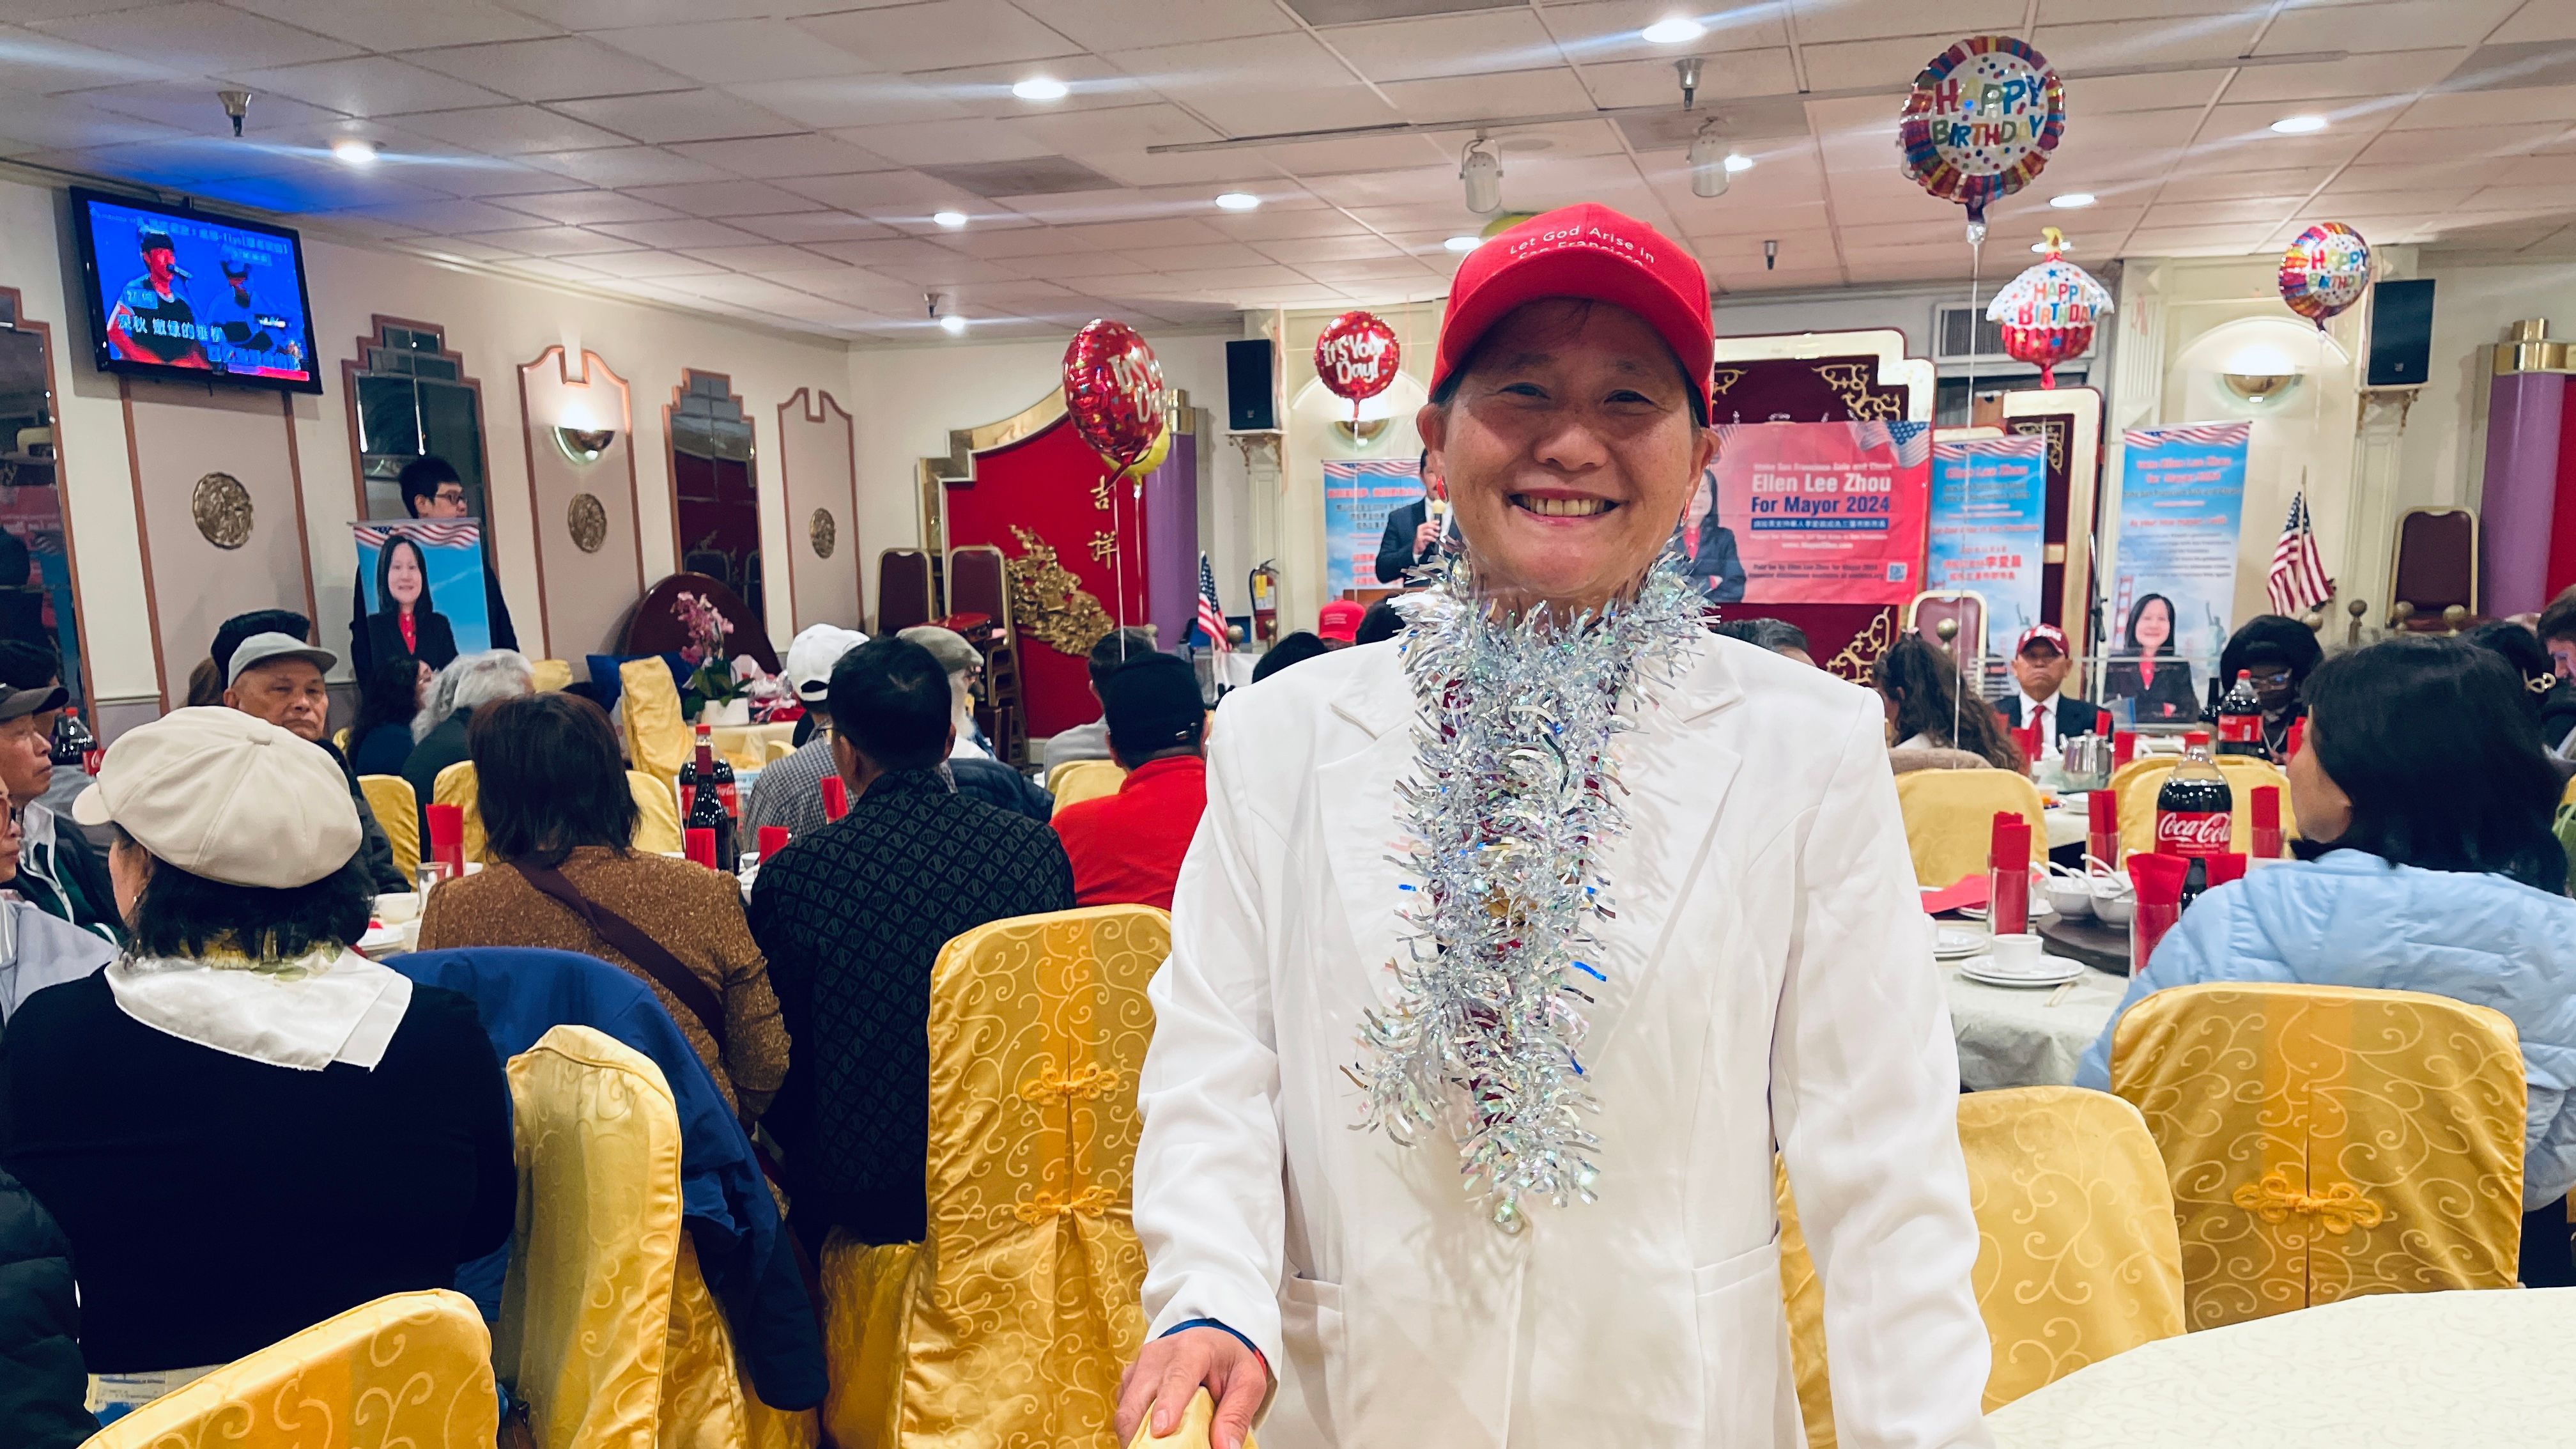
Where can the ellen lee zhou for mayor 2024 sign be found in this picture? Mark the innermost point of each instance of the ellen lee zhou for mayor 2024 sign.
(1817, 513)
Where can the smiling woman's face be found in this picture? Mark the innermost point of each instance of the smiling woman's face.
(402, 577)
(1569, 450)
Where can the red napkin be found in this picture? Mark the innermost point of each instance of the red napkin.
(2102, 722)
(2008, 845)
(1969, 892)
(2225, 868)
(836, 797)
(2124, 746)
(700, 843)
(2027, 737)
(2267, 807)
(2158, 877)
(447, 835)
(2298, 732)
(2102, 813)
(773, 839)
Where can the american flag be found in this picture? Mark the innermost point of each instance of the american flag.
(437, 535)
(1912, 442)
(1211, 613)
(2297, 580)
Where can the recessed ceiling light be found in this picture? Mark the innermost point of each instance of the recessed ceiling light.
(1674, 30)
(1238, 201)
(950, 219)
(953, 325)
(2069, 200)
(2299, 125)
(1463, 243)
(354, 151)
(1739, 162)
(1040, 88)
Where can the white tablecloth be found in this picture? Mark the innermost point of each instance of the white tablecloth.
(2067, 825)
(2010, 1036)
(2459, 1370)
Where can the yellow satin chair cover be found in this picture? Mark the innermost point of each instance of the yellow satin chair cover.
(2138, 800)
(407, 1371)
(457, 785)
(1191, 1433)
(657, 738)
(773, 751)
(1078, 780)
(657, 814)
(397, 809)
(2077, 1257)
(1011, 1324)
(1950, 819)
(547, 676)
(2325, 1142)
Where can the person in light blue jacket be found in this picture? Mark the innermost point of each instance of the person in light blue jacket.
(2424, 799)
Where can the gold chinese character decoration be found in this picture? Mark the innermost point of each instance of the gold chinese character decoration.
(1100, 493)
(1104, 546)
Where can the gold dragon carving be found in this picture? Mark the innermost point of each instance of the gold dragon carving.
(1048, 601)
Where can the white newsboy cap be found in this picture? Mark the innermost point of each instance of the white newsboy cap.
(811, 655)
(227, 796)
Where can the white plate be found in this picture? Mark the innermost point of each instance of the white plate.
(2039, 907)
(2059, 972)
(1952, 942)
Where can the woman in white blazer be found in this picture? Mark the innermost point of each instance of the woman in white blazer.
(1766, 979)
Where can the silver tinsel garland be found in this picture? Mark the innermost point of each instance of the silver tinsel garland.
(1511, 808)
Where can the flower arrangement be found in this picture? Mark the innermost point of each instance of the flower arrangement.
(714, 678)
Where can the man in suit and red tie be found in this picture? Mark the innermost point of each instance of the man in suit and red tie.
(2041, 661)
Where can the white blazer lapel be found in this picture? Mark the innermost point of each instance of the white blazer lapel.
(1363, 836)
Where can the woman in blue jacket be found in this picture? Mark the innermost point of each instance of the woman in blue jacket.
(2427, 865)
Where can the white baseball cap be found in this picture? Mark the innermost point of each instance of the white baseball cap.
(811, 655)
(227, 796)
(261, 649)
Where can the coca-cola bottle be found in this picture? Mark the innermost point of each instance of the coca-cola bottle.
(2240, 720)
(73, 744)
(2195, 811)
(707, 811)
(2195, 882)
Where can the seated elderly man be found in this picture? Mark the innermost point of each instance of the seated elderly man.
(59, 871)
(468, 683)
(278, 678)
(36, 950)
(789, 793)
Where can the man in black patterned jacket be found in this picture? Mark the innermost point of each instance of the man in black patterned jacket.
(851, 917)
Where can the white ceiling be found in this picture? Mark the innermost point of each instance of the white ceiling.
(781, 159)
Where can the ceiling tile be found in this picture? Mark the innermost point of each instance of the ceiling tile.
(812, 226)
(2390, 25)
(1606, 30)
(625, 166)
(1479, 98)
(854, 101)
(558, 69)
(188, 107)
(2489, 108)
(1443, 45)
(582, 208)
(1654, 83)
(1197, 257)
(948, 269)
(940, 33)
(1359, 153)
(451, 218)
(510, 130)
(555, 241)
(401, 24)
(765, 157)
(2065, 12)
(1824, 22)
(1002, 244)
(452, 248)
(720, 51)
(654, 264)
(2400, 72)
(946, 143)
(1165, 231)
(2112, 44)
(985, 90)
(1889, 65)
(372, 85)
(690, 232)
(1213, 77)
(2536, 21)
(1204, 168)
(471, 175)
(870, 191)
(196, 38)
(726, 198)
(36, 62)
(766, 260)
(2468, 143)
(680, 116)
(2231, 184)
(1296, 251)
(1125, 128)
(1104, 25)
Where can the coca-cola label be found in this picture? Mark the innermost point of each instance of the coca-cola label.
(2240, 729)
(91, 759)
(732, 802)
(2194, 832)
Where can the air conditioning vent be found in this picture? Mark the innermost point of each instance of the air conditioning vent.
(1961, 334)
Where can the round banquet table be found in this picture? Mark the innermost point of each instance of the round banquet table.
(2024, 1036)
(2456, 1370)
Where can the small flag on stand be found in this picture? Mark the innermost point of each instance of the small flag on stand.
(2297, 580)
(1211, 619)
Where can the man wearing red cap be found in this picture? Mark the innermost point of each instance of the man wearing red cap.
(1579, 911)
(2040, 664)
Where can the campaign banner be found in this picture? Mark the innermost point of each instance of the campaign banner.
(420, 589)
(1359, 493)
(1989, 526)
(1811, 513)
(2173, 584)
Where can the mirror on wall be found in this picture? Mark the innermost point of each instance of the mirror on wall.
(38, 602)
(715, 501)
(409, 398)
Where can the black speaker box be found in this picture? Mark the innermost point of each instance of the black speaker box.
(1248, 393)
(2401, 334)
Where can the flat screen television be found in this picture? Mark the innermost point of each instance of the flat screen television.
(182, 294)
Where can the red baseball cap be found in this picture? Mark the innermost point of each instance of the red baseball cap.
(2038, 632)
(1339, 620)
(1586, 251)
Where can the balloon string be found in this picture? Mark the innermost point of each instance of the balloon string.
(1976, 275)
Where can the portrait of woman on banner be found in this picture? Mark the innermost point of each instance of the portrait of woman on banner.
(2145, 670)
(404, 620)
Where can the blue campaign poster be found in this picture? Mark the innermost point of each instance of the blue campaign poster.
(1989, 524)
(2173, 586)
(1358, 495)
(430, 573)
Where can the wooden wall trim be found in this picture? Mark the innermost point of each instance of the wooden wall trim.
(303, 535)
(143, 541)
(44, 335)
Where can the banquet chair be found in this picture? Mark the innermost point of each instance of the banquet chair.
(1029, 1274)
(412, 1369)
(456, 785)
(2326, 1142)
(397, 809)
(657, 815)
(607, 1329)
(2077, 1258)
(775, 751)
(548, 676)
(1950, 819)
(657, 738)
(1191, 1432)
(2137, 797)
(1075, 781)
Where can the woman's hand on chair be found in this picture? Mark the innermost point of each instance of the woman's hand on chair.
(1172, 1368)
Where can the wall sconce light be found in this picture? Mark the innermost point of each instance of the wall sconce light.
(584, 446)
(2262, 389)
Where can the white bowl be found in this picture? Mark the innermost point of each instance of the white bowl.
(2115, 907)
(396, 907)
(2070, 897)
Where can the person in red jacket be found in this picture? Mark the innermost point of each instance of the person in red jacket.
(1126, 848)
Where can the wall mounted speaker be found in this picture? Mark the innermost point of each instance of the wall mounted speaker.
(1249, 405)
(2401, 334)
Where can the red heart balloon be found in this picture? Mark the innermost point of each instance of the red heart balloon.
(1357, 356)
(1113, 387)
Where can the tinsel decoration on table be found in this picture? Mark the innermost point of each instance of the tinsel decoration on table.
(1510, 809)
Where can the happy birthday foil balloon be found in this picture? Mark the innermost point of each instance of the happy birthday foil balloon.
(2324, 271)
(1113, 387)
(1981, 121)
(2047, 313)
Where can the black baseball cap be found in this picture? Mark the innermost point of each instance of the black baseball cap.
(1152, 704)
(19, 703)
